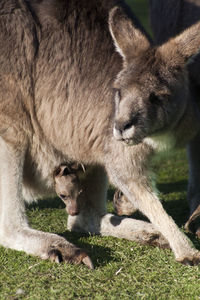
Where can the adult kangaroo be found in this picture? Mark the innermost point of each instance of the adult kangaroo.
(57, 67)
(169, 18)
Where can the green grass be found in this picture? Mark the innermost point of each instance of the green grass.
(140, 8)
(123, 269)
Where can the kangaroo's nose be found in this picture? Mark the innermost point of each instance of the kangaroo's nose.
(125, 130)
(122, 126)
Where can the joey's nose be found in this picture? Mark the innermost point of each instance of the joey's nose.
(73, 211)
(64, 196)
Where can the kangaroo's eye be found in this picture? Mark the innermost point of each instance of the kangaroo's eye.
(154, 99)
(158, 99)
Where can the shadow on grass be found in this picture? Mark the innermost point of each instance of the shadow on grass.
(110, 193)
(100, 255)
(47, 203)
(166, 188)
(178, 210)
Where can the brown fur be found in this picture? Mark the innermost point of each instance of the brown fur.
(57, 68)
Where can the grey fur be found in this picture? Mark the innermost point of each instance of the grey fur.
(168, 18)
(57, 67)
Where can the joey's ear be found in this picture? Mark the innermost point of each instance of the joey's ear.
(62, 170)
(179, 49)
(56, 172)
(65, 170)
(74, 167)
(128, 39)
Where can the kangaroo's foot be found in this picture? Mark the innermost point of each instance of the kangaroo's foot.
(190, 260)
(65, 252)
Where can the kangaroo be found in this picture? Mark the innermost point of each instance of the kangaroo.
(58, 67)
(168, 18)
(67, 186)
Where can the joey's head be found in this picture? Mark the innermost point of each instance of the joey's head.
(151, 91)
(67, 187)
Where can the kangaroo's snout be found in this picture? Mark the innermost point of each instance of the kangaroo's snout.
(125, 129)
(124, 134)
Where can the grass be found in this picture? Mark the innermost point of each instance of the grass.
(140, 8)
(123, 269)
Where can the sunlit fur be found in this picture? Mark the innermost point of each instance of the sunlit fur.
(57, 68)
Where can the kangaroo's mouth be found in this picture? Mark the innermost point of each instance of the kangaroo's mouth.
(130, 137)
(128, 142)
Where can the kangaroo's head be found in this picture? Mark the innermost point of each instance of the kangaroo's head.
(152, 88)
(67, 186)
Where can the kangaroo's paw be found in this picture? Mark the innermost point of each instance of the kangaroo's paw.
(190, 260)
(65, 252)
(122, 206)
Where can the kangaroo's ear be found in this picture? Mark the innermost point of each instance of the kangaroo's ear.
(179, 49)
(129, 40)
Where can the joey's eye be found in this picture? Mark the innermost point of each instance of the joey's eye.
(154, 99)
(63, 197)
